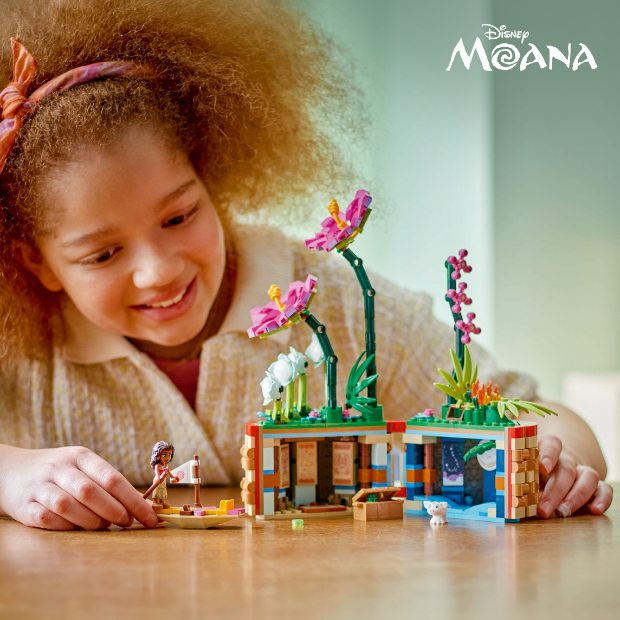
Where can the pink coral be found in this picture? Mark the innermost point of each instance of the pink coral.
(468, 328)
(282, 311)
(459, 264)
(340, 229)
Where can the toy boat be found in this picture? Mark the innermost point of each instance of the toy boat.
(196, 517)
(194, 522)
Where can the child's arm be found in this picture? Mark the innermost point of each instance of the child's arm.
(65, 488)
(572, 465)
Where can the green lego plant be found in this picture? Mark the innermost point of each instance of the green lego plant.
(355, 386)
(463, 379)
(515, 405)
(480, 448)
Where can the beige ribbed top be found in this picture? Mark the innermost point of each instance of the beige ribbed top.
(99, 391)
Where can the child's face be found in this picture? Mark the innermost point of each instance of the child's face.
(136, 231)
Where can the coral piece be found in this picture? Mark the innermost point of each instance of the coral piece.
(459, 264)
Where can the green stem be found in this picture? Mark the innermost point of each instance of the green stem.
(331, 360)
(457, 316)
(302, 405)
(369, 315)
(290, 398)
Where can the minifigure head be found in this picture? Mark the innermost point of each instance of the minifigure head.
(162, 453)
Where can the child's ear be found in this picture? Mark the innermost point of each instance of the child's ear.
(36, 264)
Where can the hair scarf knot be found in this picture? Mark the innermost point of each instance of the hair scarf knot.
(16, 104)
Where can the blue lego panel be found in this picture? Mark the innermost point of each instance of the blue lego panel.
(415, 454)
(499, 462)
(499, 505)
(453, 468)
(488, 489)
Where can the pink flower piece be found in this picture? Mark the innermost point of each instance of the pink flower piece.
(332, 235)
(356, 211)
(459, 264)
(271, 317)
(468, 328)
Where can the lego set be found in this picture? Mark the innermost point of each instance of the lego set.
(336, 461)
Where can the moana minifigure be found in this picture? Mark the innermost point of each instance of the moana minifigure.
(161, 456)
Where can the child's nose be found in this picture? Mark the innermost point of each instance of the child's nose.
(157, 271)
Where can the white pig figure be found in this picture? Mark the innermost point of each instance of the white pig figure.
(438, 511)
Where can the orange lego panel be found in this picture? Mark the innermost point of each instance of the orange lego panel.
(365, 475)
(429, 475)
(379, 476)
(499, 483)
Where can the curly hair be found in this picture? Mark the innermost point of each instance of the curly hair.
(251, 91)
(158, 448)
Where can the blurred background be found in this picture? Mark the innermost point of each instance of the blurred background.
(519, 167)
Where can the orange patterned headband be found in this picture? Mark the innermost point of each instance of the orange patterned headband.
(16, 104)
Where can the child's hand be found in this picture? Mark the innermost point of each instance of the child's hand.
(567, 485)
(65, 488)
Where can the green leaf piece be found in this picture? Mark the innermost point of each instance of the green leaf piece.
(446, 390)
(475, 374)
(449, 378)
(458, 371)
(501, 409)
(512, 408)
(481, 448)
(467, 368)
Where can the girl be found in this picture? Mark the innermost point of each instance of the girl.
(126, 277)
(160, 459)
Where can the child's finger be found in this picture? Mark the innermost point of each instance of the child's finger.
(584, 486)
(88, 493)
(549, 449)
(59, 502)
(117, 486)
(36, 515)
(559, 484)
(601, 500)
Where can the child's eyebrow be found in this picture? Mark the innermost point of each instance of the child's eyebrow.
(93, 236)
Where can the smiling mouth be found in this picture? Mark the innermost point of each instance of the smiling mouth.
(170, 302)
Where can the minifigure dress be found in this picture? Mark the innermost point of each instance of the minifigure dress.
(161, 491)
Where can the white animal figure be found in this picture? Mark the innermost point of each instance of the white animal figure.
(283, 370)
(300, 361)
(271, 388)
(438, 511)
(314, 352)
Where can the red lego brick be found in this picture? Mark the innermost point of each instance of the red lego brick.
(396, 426)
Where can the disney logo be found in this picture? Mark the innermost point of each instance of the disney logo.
(501, 33)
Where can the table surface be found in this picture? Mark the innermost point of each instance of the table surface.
(564, 568)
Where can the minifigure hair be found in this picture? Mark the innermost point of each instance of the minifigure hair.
(251, 91)
(158, 448)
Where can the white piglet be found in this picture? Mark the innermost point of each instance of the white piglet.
(438, 511)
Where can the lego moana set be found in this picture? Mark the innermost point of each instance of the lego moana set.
(336, 461)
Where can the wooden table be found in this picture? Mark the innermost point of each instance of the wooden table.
(562, 568)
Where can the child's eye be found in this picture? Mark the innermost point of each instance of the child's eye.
(180, 219)
(104, 257)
